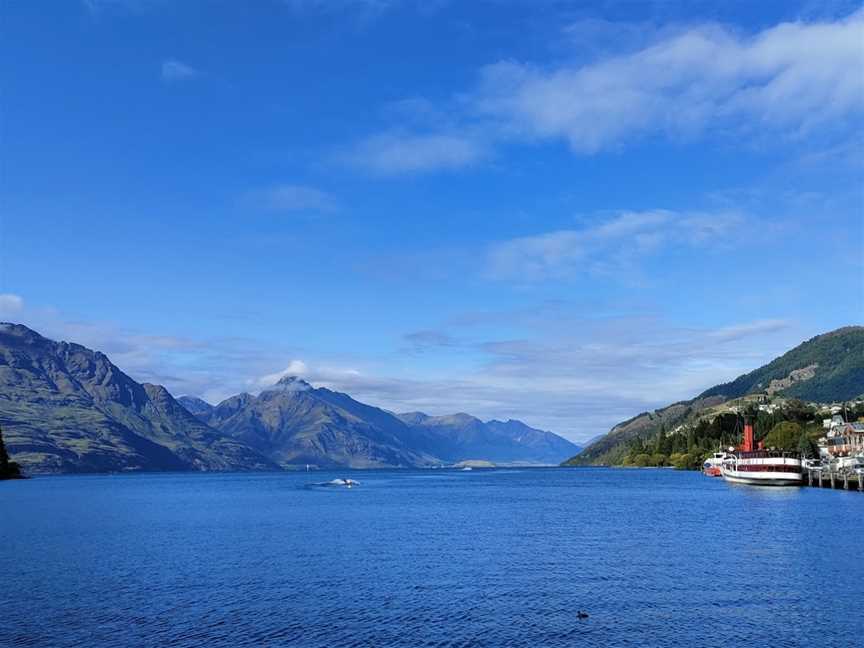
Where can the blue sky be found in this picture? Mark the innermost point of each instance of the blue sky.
(566, 213)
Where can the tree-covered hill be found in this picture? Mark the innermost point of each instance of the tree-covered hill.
(837, 359)
(827, 368)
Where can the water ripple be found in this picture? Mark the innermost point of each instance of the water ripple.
(491, 558)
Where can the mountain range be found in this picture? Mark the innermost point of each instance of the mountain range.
(66, 408)
(294, 424)
(827, 368)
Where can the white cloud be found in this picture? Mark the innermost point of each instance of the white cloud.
(10, 304)
(786, 83)
(395, 153)
(173, 70)
(740, 331)
(296, 198)
(340, 5)
(294, 368)
(793, 77)
(428, 340)
(607, 248)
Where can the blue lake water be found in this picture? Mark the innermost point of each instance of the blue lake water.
(434, 558)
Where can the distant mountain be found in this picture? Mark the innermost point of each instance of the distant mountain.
(827, 368)
(545, 447)
(197, 406)
(65, 408)
(294, 423)
(461, 437)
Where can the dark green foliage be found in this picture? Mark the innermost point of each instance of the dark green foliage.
(807, 445)
(8, 469)
(784, 436)
(687, 449)
(688, 460)
(659, 459)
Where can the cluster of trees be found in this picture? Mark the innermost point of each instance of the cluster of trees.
(792, 436)
(682, 450)
(796, 427)
(8, 469)
(678, 460)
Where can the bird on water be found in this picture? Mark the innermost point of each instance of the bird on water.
(581, 615)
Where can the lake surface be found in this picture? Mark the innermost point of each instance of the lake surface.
(433, 558)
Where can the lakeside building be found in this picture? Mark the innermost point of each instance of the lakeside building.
(841, 439)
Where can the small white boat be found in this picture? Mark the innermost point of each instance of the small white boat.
(713, 464)
(347, 483)
(813, 464)
(467, 468)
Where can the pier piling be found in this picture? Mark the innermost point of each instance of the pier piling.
(835, 479)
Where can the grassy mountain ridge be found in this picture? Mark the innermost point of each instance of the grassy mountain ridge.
(66, 408)
(826, 368)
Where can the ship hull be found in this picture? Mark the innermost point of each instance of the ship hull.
(766, 479)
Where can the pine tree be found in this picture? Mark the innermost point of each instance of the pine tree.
(679, 443)
(7, 468)
(659, 439)
(4, 456)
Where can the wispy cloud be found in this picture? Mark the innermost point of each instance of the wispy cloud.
(294, 368)
(174, 70)
(395, 153)
(579, 378)
(10, 304)
(739, 331)
(785, 83)
(97, 7)
(421, 341)
(613, 246)
(366, 10)
(792, 78)
(340, 5)
(295, 198)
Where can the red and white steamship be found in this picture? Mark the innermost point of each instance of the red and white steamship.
(757, 466)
